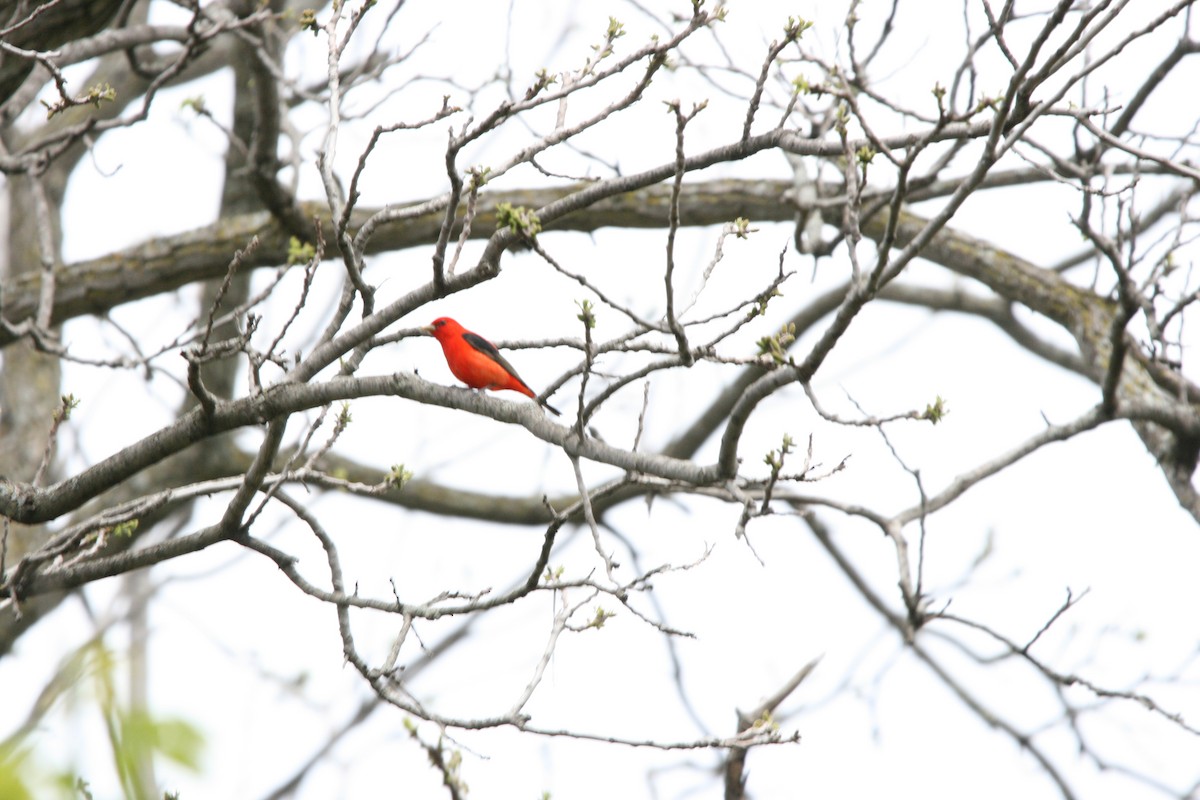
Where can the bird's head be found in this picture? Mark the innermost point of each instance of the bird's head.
(442, 327)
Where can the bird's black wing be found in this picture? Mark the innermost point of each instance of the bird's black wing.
(488, 349)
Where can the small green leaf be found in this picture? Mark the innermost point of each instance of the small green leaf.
(518, 219)
(776, 346)
(600, 618)
(935, 411)
(14, 763)
(543, 80)
(398, 476)
(69, 403)
(300, 252)
(479, 176)
(742, 229)
(586, 313)
(795, 28)
(616, 29)
(100, 92)
(308, 21)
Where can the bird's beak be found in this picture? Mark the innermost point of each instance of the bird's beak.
(426, 329)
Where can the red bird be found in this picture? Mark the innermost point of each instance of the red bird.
(476, 362)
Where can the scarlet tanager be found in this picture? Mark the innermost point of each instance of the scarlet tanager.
(476, 362)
